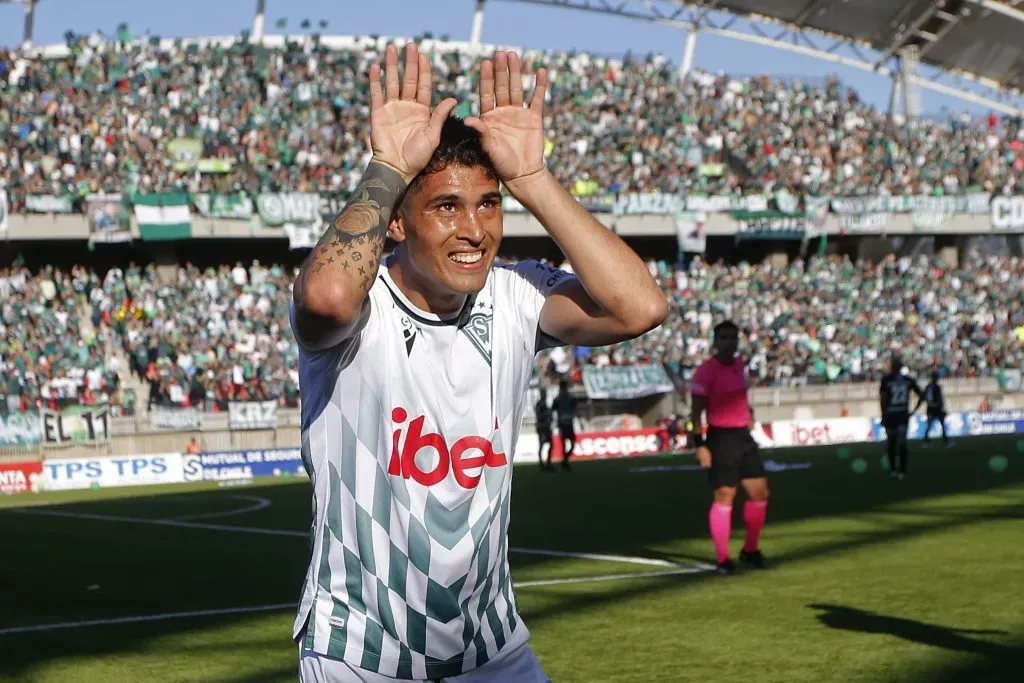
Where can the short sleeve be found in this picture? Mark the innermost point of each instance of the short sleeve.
(700, 385)
(532, 283)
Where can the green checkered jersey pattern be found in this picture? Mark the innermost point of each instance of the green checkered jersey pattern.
(408, 434)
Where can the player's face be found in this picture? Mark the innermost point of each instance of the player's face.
(449, 228)
(727, 342)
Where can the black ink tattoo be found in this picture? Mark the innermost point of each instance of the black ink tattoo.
(357, 235)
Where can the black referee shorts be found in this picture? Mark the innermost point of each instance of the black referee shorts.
(735, 456)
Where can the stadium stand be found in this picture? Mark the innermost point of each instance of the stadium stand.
(295, 119)
(223, 334)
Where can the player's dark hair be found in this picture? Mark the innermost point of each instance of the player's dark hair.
(726, 326)
(460, 146)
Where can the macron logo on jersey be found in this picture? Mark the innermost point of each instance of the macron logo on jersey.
(467, 454)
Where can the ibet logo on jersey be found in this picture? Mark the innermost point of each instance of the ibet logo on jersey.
(412, 454)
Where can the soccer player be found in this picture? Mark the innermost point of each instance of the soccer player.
(565, 406)
(413, 377)
(936, 403)
(542, 411)
(895, 402)
(729, 452)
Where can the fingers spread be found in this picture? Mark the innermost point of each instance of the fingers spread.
(479, 126)
(540, 90)
(486, 86)
(376, 91)
(412, 72)
(515, 82)
(426, 88)
(501, 95)
(391, 72)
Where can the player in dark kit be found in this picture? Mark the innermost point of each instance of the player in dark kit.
(542, 411)
(936, 403)
(565, 406)
(895, 396)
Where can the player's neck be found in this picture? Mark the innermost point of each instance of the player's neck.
(418, 291)
(725, 359)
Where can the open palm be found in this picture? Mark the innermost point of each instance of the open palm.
(404, 132)
(511, 134)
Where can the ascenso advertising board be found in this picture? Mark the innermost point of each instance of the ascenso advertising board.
(230, 465)
(63, 474)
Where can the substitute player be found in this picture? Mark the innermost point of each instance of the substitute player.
(895, 402)
(414, 373)
(936, 403)
(729, 452)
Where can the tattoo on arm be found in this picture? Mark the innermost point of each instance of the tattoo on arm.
(356, 237)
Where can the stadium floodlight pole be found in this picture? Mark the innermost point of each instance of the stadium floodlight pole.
(259, 20)
(478, 24)
(30, 20)
(691, 47)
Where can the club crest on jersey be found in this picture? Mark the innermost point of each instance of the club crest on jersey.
(408, 334)
(478, 329)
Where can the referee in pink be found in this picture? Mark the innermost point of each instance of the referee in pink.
(729, 452)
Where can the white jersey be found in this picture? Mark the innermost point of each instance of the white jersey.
(408, 433)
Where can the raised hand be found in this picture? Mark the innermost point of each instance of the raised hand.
(511, 134)
(404, 132)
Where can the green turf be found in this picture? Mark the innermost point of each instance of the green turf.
(879, 581)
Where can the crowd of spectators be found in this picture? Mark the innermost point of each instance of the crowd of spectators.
(296, 118)
(204, 337)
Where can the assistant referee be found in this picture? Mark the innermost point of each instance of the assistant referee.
(729, 452)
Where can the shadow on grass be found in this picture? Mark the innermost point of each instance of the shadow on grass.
(944, 637)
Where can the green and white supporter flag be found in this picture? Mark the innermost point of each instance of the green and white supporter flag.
(163, 216)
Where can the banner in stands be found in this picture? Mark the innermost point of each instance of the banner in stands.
(109, 220)
(870, 214)
(770, 225)
(175, 419)
(252, 414)
(48, 203)
(637, 203)
(20, 477)
(5, 211)
(184, 153)
(76, 424)
(62, 474)
(691, 231)
(300, 214)
(20, 429)
(822, 432)
(237, 206)
(1008, 212)
(626, 381)
(163, 216)
(227, 465)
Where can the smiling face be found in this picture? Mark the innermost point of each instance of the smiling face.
(448, 230)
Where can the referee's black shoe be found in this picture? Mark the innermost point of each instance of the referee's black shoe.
(727, 568)
(755, 559)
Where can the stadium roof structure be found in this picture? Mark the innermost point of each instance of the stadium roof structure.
(968, 43)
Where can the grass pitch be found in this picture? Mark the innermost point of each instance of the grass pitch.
(915, 581)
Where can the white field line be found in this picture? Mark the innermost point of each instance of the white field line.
(258, 503)
(675, 568)
(146, 617)
(648, 561)
(290, 606)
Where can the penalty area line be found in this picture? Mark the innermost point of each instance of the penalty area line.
(114, 621)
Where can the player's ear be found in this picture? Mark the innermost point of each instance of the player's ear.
(397, 225)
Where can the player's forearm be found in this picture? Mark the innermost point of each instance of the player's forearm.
(338, 273)
(613, 275)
